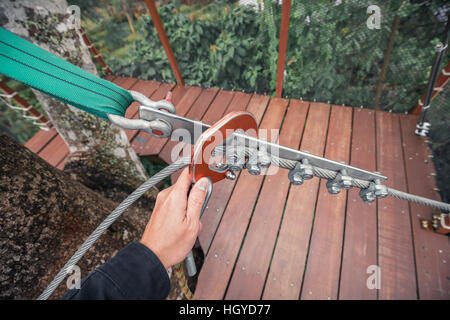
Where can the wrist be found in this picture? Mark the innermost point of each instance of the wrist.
(157, 253)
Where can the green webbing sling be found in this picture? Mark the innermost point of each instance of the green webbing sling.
(37, 68)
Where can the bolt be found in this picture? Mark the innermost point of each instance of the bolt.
(296, 178)
(263, 159)
(230, 175)
(333, 187)
(253, 168)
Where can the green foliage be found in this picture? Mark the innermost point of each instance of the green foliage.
(225, 50)
(153, 167)
(12, 121)
(331, 56)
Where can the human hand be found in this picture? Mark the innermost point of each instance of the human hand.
(175, 221)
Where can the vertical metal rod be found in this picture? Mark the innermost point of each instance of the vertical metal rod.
(164, 40)
(440, 51)
(284, 30)
(189, 261)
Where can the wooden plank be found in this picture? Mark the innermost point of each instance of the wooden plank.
(360, 242)
(222, 190)
(288, 263)
(395, 244)
(55, 151)
(432, 250)
(119, 80)
(251, 268)
(40, 140)
(147, 88)
(219, 262)
(141, 138)
(61, 164)
(321, 279)
(125, 82)
(182, 103)
(257, 106)
(196, 112)
(218, 107)
(109, 77)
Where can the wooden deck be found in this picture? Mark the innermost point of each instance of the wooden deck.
(264, 238)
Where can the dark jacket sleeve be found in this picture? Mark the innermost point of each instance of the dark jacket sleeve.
(134, 273)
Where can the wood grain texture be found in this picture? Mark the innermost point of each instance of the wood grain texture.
(251, 268)
(321, 280)
(40, 140)
(395, 243)
(110, 77)
(288, 263)
(360, 242)
(227, 241)
(55, 151)
(432, 250)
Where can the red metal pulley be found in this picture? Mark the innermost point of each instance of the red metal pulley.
(215, 135)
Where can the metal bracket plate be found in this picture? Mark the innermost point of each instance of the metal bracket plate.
(196, 128)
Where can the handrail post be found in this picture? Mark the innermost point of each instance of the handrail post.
(285, 13)
(423, 127)
(164, 40)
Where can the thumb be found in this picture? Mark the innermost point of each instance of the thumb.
(196, 199)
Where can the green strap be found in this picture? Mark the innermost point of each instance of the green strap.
(37, 68)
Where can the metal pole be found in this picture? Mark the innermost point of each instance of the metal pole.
(284, 30)
(423, 127)
(164, 40)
